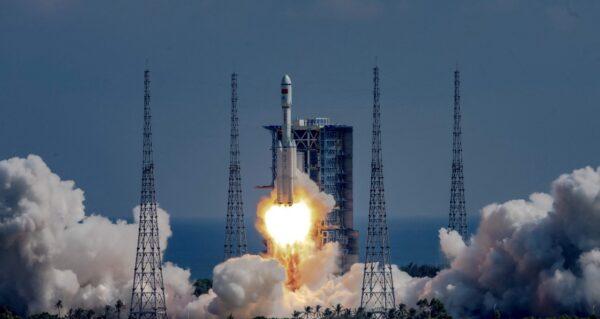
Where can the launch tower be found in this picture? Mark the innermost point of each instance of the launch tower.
(377, 288)
(235, 229)
(457, 214)
(148, 291)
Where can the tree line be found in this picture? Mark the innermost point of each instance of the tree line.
(115, 311)
(425, 309)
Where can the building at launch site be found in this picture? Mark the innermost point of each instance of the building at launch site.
(324, 152)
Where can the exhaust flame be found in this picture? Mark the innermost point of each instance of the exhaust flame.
(291, 233)
(289, 225)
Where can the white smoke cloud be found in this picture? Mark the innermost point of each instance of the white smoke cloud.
(50, 250)
(252, 285)
(539, 256)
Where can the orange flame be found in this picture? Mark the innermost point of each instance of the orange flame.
(291, 232)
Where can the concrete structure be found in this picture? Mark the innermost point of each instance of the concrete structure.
(324, 152)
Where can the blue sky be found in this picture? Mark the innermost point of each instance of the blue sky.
(71, 91)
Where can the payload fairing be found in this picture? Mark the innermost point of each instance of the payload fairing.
(286, 151)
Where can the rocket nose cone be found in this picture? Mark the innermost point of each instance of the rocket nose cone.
(286, 80)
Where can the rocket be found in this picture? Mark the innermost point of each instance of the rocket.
(286, 150)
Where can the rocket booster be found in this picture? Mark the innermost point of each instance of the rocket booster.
(286, 150)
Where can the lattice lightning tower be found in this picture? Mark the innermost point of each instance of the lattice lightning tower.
(148, 292)
(235, 230)
(377, 288)
(457, 214)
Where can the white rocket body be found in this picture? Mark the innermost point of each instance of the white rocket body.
(286, 150)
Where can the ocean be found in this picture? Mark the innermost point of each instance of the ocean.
(197, 244)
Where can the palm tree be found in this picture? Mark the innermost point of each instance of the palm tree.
(307, 311)
(337, 310)
(423, 305)
(437, 309)
(59, 307)
(90, 314)
(70, 315)
(78, 313)
(106, 311)
(296, 314)
(392, 313)
(360, 312)
(401, 311)
(327, 313)
(347, 313)
(119, 305)
(317, 311)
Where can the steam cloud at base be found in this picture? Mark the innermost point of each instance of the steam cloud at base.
(291, 232)
(538, 256)
(51, 250)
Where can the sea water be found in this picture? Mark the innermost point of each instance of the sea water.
(197, 244)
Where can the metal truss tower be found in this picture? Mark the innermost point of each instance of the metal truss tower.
(235, 230)
(148, 291)
(377, 288)
(457, 214)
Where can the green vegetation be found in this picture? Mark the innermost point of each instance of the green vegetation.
(202, 286)
(76, 313)
(5, 313)
(425, 309)
(415, 270)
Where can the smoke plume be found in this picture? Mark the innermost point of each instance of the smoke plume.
(51, 250)
(539, 256)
